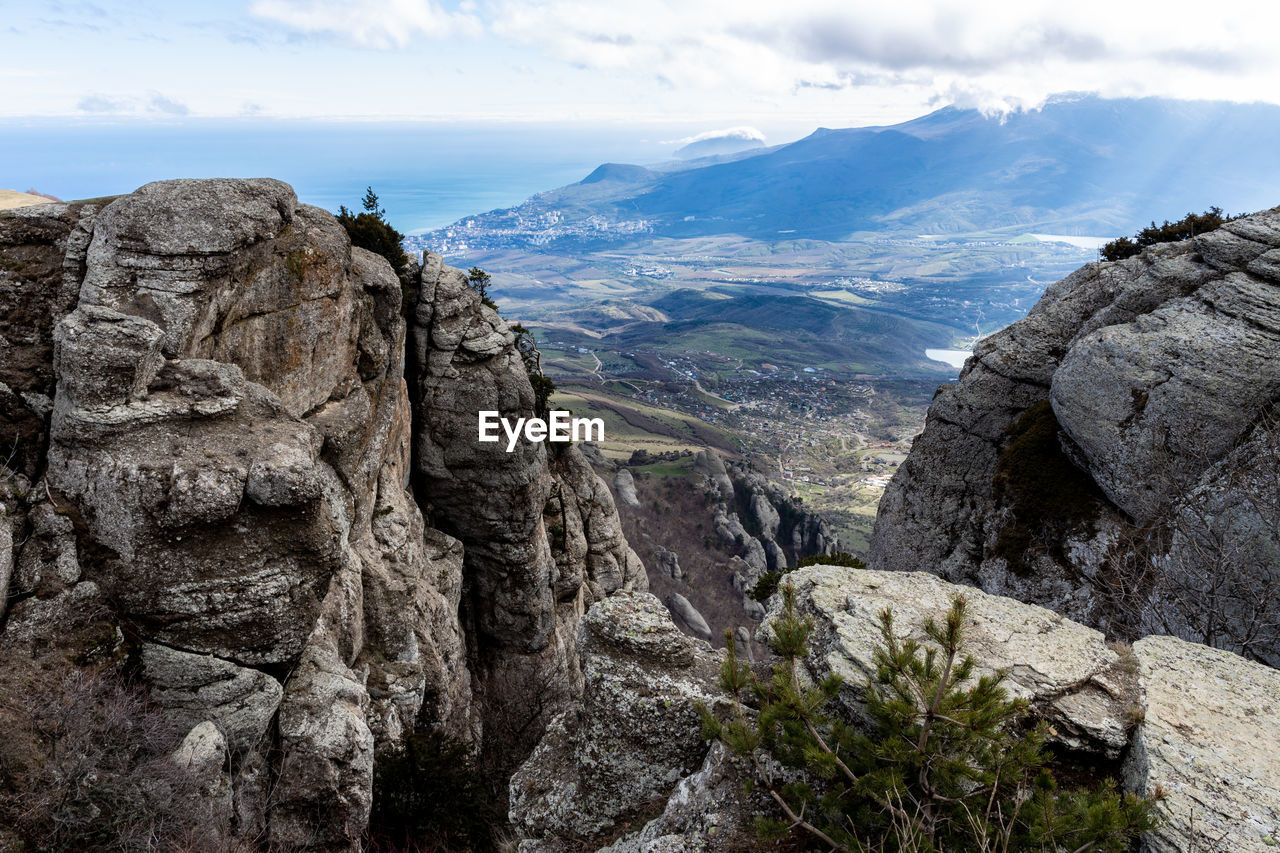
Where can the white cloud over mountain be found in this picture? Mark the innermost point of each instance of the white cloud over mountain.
(834, 62)
(731, 133)
(987, 53)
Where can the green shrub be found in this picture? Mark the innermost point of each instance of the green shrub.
(543, 387)
(768, 583)
(766, 586)
(1046, 492)
(839, 558)
(479, 280)
(370, 230)
(949, 763)
(1170, 232)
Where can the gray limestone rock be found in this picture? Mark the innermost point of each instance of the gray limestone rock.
(228, 469)
(1159, 370)
(709, 464)
(668, 562)
(625, 485)
(634, 734)
(1173, 390)
(490, 499)
(195, 689)
(1208, 740)
(214, 380)
(689, 615)
(1067, 672)
(766, 515)
(201, 758)
(707, 811)
(323, 796)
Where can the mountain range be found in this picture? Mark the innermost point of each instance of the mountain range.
(1078, 165)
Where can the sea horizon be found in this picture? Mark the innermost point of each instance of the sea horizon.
(427, 174)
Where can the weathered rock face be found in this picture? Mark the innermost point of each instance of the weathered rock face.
(42, 252)
(632, 737)
(1208, 740)
(1158, 369)
(206, 383)
(771, 529)
(540, 531)
(226, 474)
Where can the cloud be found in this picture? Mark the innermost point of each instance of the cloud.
(380, 24)
(737, 133)
(159, 103)
(100, 104)
(996, 54)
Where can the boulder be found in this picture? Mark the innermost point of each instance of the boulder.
(708, 811)
(206, 797)
(689, 615)
(325, 791)
(632, 737)
(625, 485)
(1208, 741)
(1072, 679)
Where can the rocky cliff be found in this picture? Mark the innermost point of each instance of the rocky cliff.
(1115, 455)
(214, 465)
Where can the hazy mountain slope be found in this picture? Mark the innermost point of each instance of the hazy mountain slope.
(1096, 164)
(1085, 165)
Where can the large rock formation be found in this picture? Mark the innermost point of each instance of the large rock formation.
(539, 529)
(1114, 454)
(770, 529)
(203, 384)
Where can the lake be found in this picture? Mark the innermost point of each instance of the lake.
(953, 357)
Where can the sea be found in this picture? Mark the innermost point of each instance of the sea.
(426, 174)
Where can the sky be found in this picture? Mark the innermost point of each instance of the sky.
(781, 65)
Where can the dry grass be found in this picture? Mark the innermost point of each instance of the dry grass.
(10, 199)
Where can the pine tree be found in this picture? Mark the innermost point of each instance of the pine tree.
(479, 281)
(948, 764)
(370, 230)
